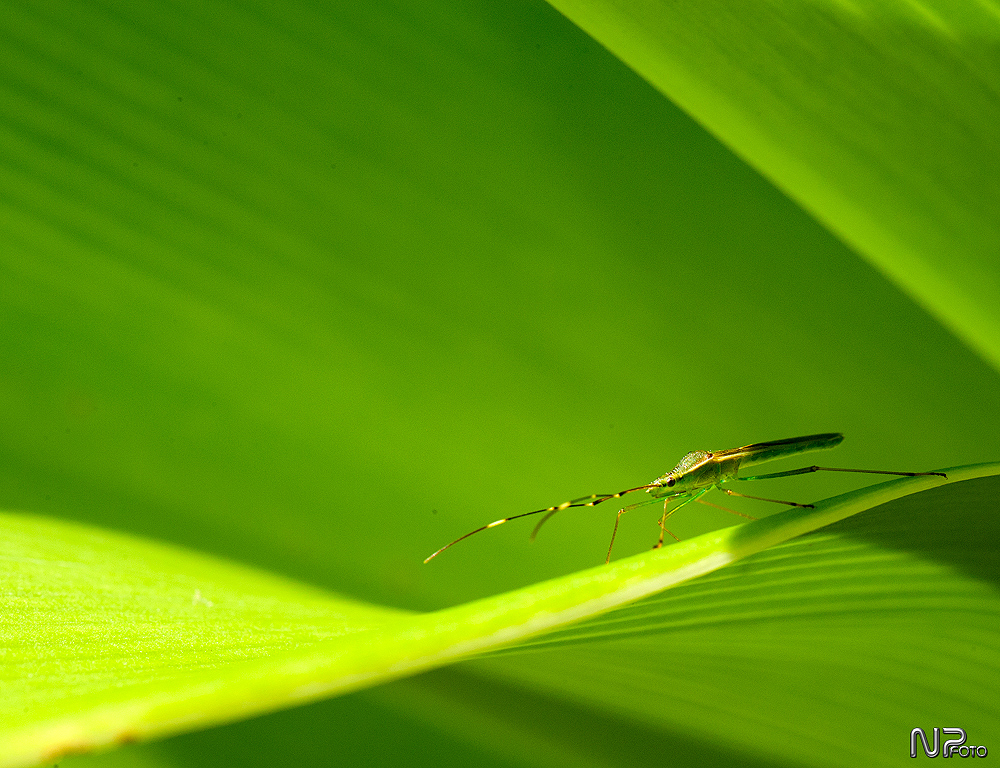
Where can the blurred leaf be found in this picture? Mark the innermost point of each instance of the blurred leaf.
(101, 627)
(877, 116)
(118, 639)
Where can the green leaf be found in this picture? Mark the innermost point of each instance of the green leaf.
(877, 117)
(119, 639)
(827, 650)
(101, 626)
(318, 287)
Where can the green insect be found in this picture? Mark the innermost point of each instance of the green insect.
(695, 475)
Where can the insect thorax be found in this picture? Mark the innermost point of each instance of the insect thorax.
(692, 459)
(686, 472)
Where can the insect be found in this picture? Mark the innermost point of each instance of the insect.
(694, 476)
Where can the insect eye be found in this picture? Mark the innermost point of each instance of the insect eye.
(670, 482)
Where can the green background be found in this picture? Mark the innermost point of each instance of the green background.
(321, 288)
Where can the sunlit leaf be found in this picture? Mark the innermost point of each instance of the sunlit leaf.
(118, 639)
(879, 117)
(319, 287)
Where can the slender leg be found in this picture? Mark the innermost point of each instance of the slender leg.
(667, 514)
(806, 470)
(621, 512)
(725, 509)
(663, 521)
(760, 498)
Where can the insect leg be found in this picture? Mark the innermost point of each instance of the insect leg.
(806, 470)
(725, 509)
(667, 514)
(663, 521)
(621, 512)
(760, 498)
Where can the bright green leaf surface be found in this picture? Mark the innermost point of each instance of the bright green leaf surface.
(826, 650)
(318, 287)
(118, 639)
(878, 116)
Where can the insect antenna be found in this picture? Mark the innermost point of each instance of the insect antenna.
(595, 499)
(584, 501)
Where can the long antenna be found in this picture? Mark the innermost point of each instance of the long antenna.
(596, 499)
